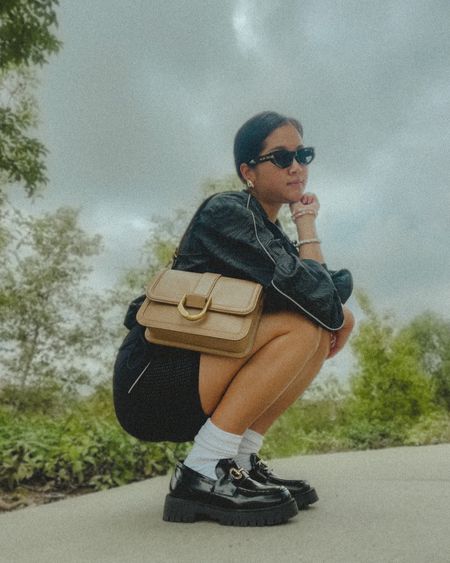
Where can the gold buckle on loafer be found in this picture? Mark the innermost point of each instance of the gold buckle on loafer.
(236, 473)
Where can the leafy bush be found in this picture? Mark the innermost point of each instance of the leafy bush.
(330, 418)
(86, 448)
(389, 391)
(79, 449)
(45, 398)
(433, 429)
(311, 425)
(362, 434)
(431, 332)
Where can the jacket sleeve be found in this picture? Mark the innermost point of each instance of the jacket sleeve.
(130, 316)
(238, 243)
(343, 282)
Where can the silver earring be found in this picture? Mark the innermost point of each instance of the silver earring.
(250, 184)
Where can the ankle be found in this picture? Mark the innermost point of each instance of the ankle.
(251, 443)
(243, 460)
(210, 445)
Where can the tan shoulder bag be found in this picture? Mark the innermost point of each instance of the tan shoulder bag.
(206, 312)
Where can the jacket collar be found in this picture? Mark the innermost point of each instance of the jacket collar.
(254, 204)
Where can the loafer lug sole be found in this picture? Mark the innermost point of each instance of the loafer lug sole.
(303, 500)
(184, 510)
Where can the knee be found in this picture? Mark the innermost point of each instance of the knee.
(349, 319)
(324, 346)
(301, 330)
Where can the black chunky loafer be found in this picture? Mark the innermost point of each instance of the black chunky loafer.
(233, 499)
(302, 491)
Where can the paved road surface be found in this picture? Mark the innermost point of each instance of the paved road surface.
(375, 506)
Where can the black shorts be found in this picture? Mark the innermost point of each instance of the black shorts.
(164, 403)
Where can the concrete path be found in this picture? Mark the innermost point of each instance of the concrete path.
(375, 506)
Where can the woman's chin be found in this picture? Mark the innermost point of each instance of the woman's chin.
(294, 198)
(296, 193)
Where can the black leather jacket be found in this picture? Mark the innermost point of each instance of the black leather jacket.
(230, 234)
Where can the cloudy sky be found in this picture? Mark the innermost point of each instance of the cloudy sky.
(142, 104)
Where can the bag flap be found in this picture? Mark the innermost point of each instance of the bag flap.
(231, 295)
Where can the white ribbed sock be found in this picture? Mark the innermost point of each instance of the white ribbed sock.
(211, 444)
(250, 444)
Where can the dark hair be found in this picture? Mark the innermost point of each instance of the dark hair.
(249, 140)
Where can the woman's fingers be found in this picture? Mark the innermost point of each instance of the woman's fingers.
(341, 336)
(307, 201)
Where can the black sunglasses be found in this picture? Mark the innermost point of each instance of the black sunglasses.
(284, 158)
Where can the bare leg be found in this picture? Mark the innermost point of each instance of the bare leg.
(237, 392)
(296, 388)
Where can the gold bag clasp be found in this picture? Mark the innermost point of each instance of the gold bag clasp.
(192, 317)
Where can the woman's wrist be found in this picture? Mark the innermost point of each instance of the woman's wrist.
(309, 242)
(301, 214)
(305, 219)
(306, 227)
(314, 240)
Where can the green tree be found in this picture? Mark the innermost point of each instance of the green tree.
(431, 333)
(26, 40)
(389, 390)
(25, 32)
(51, 324)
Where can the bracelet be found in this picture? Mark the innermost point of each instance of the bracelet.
(309, 241)
(302, 212)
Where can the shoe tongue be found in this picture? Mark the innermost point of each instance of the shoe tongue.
(224, 465)
(256, 461)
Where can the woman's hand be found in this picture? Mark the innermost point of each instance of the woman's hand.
(342, 335)
(308, 201)
(304, 213)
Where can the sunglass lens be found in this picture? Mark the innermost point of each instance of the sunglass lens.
(283, 159)
(305, 156)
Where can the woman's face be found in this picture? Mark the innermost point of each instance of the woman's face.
(275, 186)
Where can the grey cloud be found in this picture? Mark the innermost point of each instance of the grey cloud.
(144, 99)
